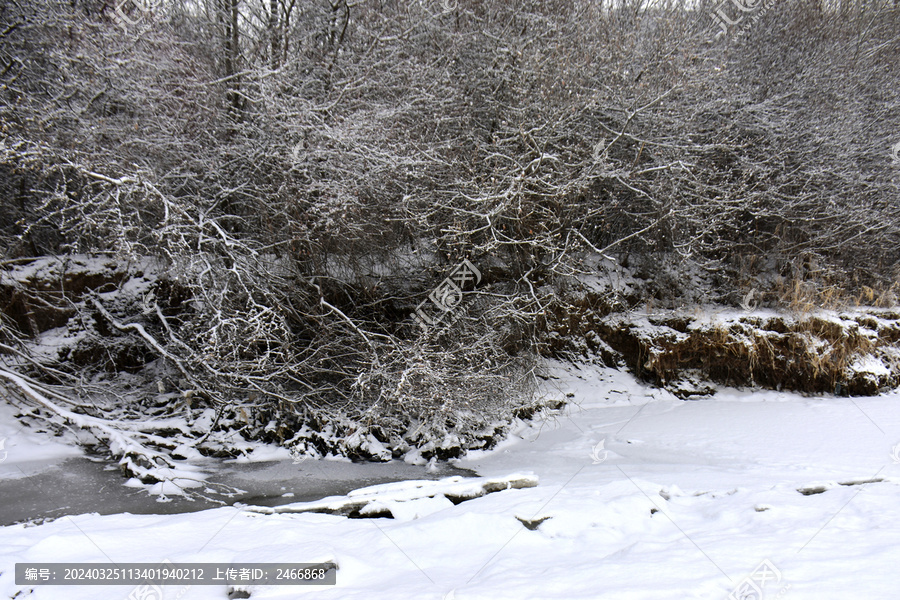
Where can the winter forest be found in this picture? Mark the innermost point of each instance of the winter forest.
(436, 255)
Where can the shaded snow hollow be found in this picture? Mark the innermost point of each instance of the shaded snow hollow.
(640, 496)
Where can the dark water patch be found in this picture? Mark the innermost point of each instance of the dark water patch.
(81, 485)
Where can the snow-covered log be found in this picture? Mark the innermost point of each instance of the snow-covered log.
(390, 499)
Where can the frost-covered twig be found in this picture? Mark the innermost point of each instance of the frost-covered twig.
(135, 457)
(137, 327)
(120, 442)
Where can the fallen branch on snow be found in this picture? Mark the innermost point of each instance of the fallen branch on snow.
(376, 501)
(135, 457)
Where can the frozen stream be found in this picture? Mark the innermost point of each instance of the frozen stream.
(640, 496)
(81, 485)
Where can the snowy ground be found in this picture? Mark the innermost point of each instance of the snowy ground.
(645, 496)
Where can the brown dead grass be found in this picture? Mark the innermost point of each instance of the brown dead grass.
(808, 353)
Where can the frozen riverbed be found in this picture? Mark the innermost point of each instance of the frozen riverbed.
(640, 495)
(79, 485)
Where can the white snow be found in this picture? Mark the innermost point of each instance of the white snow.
(406, 500)
(24, 452)
(869, 364)
(645, 497)
(51, 268)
